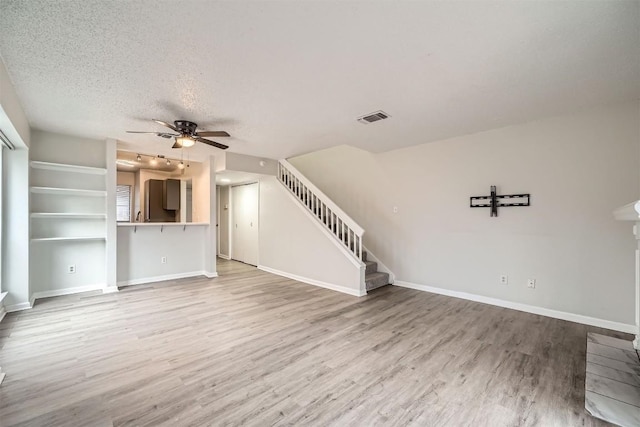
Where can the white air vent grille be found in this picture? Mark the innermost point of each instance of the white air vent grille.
(373, 117)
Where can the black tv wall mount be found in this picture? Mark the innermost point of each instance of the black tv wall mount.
(495, 201)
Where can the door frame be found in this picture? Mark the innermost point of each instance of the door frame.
(231, 222)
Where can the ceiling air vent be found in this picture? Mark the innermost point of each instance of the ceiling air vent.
(373, 117)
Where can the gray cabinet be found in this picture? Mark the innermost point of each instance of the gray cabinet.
(171, 194)
(154, 202)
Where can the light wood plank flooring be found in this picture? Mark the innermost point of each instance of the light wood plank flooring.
(251, 348)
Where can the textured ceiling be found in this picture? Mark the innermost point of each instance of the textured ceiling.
(285, 78)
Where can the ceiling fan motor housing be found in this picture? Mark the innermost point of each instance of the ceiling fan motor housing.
(185, 126)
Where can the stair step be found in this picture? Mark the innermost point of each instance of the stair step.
(371, 267)
(364, 256)
(375, 280)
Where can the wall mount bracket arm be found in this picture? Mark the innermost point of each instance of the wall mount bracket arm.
(495, 201)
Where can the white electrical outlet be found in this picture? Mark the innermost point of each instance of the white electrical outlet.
(71, 269)
(531, 283)
(163, 260)
(504, 279)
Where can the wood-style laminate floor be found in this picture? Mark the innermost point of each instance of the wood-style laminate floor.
(251, 348)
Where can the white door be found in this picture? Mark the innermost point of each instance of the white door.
(251, 224)
(245, 223)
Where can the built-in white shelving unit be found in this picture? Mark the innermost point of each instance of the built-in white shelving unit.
(68, 191)
(60, 167)
(68, 239)
(57, 215)
(71, 217)
(68, 202)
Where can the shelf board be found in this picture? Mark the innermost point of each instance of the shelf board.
(56, 215)
(163, 224)
(68, 191)
(68, 239)
(60, 167)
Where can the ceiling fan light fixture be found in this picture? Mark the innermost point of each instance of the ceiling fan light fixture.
(185, 141)
(139, 158)
(181, 165)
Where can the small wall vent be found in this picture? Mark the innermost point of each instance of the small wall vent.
(373, 117)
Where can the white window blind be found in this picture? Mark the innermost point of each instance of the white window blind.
(123, 203)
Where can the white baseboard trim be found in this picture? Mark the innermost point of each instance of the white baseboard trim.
(18, 307)
(227, 257)
(562, 315)
(65, 291)
(3, 311)
(210, 274)
(110, 289)
(338, 288)
(144, 280)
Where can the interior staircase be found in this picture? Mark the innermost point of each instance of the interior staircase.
(373, 279)
(341, 226)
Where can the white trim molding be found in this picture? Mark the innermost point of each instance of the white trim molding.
(18, 307)
(3, 311)
(631, 212)
(223, 256)
(210, 274)
(143, 280)
(65, 291)
(562, 315)
(319, 283)
(628, 212)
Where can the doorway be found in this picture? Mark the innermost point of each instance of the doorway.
(244, 229)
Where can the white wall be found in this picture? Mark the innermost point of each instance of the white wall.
(13, 120)
(292, 242)
(203, 190)
(15, 227)
(252, 164)
(60, 148)
(577, 168)
(14, 262)
(140, 252)
(224, 220)
(190, 249)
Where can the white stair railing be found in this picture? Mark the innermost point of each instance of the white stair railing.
(343, 228)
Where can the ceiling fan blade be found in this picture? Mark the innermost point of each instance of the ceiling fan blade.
(213, 143)
(167, 135)
(176, 145)
(172, 127)
(212, 133)
(161, 134)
